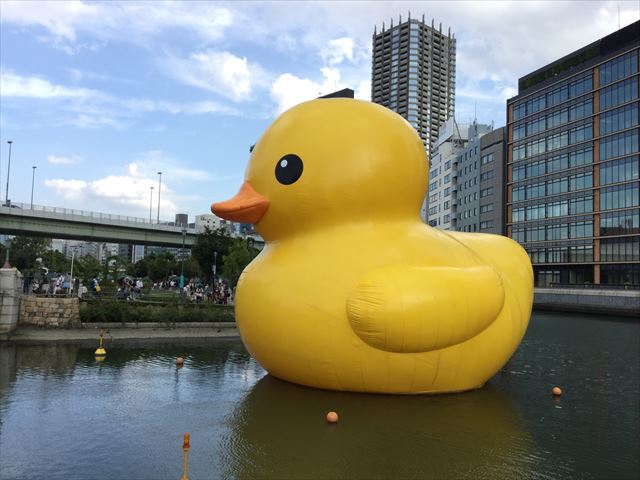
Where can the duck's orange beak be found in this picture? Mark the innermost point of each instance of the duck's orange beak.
(248, 206)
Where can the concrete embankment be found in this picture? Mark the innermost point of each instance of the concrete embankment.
(608, 302)
(126, 331)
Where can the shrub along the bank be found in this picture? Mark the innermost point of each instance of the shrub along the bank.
(122, 311)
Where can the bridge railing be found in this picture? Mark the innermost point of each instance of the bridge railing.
(28, 209)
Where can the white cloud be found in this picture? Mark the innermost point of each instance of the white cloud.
(12, 85)
(289, 90)
(88, 108)
(219, 72)
(363, 91)
(337, 50)
(129, 21)
(68, 189)
(153, 161)
(59, 160)
(128, 194)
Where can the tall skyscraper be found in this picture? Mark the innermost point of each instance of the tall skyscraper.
(573, 163)
(414, 74)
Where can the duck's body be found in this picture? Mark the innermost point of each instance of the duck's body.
(371, 304)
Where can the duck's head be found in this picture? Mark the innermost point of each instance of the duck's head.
(330, 161)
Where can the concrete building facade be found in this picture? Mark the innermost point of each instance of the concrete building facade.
(414, 74)
(491, 189)
(573, 163)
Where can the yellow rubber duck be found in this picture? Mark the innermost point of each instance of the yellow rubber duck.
(352, 290)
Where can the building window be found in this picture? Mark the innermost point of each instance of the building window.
(619, 144)
(536, 190)
(580, 86)
(486, 175)
(581, 157)
(627, 274)
(625, 249)
(619, 119)
(486, 208)
(486, 224)
(618, 68)
(486, 159)
(580, 229)
(518, 194)
(620, 170)
(555, 164)
(580, 181)
(536, 212)
(581, 205)
(619, 93)
(557, 209)
(517, 215)
(581, 110)
(620, 223)
(619, 196)
(580, 134)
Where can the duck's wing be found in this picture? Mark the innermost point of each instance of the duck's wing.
(419, 309)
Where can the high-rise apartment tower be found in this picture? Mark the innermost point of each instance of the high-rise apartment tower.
(414, 74)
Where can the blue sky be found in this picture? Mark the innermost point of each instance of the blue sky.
(100, 96)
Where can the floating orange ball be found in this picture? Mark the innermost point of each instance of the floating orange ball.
(556, 391)
(179, 361)
(332, 417)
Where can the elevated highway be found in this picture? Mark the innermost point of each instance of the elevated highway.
(57, 222)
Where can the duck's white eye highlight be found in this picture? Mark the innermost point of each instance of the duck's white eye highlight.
(284, 163)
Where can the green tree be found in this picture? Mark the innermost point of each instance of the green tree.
(206, 245)
(56, 261)
(160, 268)
(25, 250)
(239, 256)
(87, 268)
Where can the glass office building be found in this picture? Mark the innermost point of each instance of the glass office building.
(572, 165)
(414, 74)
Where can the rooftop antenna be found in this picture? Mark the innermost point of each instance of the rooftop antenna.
(618, 17)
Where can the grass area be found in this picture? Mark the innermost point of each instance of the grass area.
(107, 310)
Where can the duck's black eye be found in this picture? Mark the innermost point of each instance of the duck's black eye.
(289, 169)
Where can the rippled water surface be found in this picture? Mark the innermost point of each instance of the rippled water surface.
(65, 416)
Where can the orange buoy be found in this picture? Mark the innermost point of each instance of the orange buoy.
(179, 361)
(332, 417)
(556, 391)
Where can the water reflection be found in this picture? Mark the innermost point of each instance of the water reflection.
(63, 415)
(279, 431)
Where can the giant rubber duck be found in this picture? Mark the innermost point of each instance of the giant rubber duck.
(352, 290)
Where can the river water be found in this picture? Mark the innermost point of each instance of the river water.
(65, 416)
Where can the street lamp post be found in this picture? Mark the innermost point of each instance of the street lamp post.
(33, 176)
(159, 188)
(150, 203)
(6, 198)
(184, 234)
(73, 255)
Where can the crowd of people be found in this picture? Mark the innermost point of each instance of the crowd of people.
(127, 288)
(219, 293)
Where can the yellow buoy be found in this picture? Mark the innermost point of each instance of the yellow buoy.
(100, 351)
